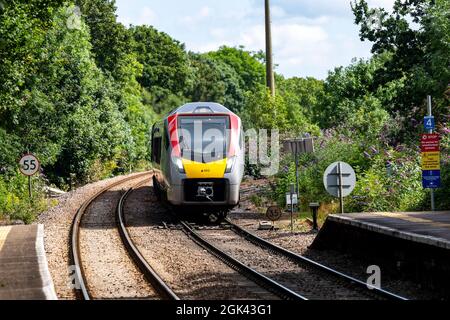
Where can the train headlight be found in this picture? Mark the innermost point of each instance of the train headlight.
(230, 164)
(179, 165)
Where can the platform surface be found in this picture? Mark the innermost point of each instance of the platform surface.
(24, 273)
(431, 228)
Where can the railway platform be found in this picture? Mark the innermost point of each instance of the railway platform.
(413, 245)
(24, 273)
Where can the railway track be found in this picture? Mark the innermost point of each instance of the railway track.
(83, 289)
(271, 284)
(150, 274)
(253, 275)
(262, 279)
(301, 260)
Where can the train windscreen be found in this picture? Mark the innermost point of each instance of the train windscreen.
(204, 139)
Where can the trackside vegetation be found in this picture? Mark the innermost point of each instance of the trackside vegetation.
(81, 91)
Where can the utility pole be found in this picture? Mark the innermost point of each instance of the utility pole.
(269, 55)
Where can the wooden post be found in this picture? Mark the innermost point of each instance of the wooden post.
(270, 77)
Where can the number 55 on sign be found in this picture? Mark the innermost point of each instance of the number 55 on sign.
(29, 165)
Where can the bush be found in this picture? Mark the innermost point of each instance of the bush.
(15, 203)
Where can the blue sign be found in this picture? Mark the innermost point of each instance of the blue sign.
(429, 123)
(431, 179)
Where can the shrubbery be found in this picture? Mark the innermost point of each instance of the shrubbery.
(84, 99)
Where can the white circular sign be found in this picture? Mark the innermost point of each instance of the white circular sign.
(337, 172)
(29, 165)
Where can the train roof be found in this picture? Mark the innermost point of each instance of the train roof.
(197, 107)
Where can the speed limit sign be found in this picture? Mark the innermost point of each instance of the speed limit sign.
(29, 165)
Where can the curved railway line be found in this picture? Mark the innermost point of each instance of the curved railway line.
(83, 288)
(267, 281)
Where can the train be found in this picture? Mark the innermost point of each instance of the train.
(198, 156)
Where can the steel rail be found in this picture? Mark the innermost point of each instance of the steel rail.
(268, 283)
(311, 263)
(150, 274)
(81, 284)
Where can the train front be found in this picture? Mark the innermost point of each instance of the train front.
(207, 159)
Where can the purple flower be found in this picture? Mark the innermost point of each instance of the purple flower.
(367, 155)
(446, 130)
(374, 150)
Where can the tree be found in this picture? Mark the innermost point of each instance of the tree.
(264, 111)
(420, 53)
(214, 80)
(110, 39)
(164, 59)
(246, 64)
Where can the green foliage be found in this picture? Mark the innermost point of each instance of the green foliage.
(420, 55)
(215, 80)
(84, 99)
(15, 203)
(304, 95)
(263, 111)
(246, 64)
(111, 43)
(164, 59)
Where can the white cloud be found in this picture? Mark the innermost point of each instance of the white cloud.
(310, 36)
(205, 12)
(147, 16)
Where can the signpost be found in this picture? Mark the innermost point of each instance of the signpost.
(29, 165)
(431, 155)
(291, 202)
(298, 147)
(340, 180)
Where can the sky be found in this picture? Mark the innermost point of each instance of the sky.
(310, 37)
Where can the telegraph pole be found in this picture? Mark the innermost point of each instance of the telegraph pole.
(269, 55)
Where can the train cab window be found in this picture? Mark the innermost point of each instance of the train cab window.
(204, 138)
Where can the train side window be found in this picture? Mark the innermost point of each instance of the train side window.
(157, 146)
(166, 139)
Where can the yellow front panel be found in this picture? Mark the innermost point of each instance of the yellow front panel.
(213, 170)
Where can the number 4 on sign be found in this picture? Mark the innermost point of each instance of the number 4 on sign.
(430, 123)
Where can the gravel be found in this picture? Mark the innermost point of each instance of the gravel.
(110, 272)
(189, 270)
(299, 242)
(57, 222)
(305, 281)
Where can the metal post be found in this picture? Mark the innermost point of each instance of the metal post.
(296, 174)
(292, 208)
(30, 191)
(341, 187)
(315, 225)
(430, 113)
(269, 55)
